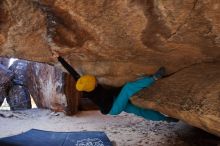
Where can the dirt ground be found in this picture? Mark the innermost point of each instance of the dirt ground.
(124, 130)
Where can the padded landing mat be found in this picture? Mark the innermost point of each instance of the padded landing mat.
(35, 137)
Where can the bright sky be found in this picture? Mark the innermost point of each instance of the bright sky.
(11, 61)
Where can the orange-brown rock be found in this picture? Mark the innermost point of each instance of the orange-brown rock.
(118, 41)
(191, 95)
(51, 88)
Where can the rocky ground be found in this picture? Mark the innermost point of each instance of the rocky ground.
(124, 130)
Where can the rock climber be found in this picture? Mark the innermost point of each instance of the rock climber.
(114, 100)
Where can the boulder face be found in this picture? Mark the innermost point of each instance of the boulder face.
(48, 87)
(112, 38)
(5, 82)
(118, 41)
(191, 95)
(19, 98)
(4, 61)
(19, 68)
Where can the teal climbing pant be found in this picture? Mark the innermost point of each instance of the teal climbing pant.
(122, 102)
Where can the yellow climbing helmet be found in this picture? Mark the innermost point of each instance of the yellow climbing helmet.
(86, 83)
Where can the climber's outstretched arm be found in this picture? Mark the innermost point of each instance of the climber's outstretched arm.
(69, 68)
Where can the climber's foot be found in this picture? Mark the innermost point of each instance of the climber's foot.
(169, 119)
(160, 73)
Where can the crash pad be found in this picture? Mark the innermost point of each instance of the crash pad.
(36, 137)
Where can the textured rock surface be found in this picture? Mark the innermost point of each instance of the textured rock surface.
(19, 68)
(19, 98)
(5, 82)
(112, 38)
(48, 87)
(4, 61)
(117, 41)
(191, 95)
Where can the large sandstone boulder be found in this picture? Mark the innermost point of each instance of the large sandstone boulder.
(51, 88)
(191, 95)
(5, 82)
(19, 68)
(19, 98)
(46, 86)
(118, 41)
(4, 61)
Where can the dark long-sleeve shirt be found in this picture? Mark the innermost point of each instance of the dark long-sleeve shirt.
(102, 96)
(69, 68)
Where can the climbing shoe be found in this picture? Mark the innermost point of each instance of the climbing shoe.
(160, 73)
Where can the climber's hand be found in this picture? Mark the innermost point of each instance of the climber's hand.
(55, 54)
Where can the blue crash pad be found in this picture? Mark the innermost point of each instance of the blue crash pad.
(36, 137)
